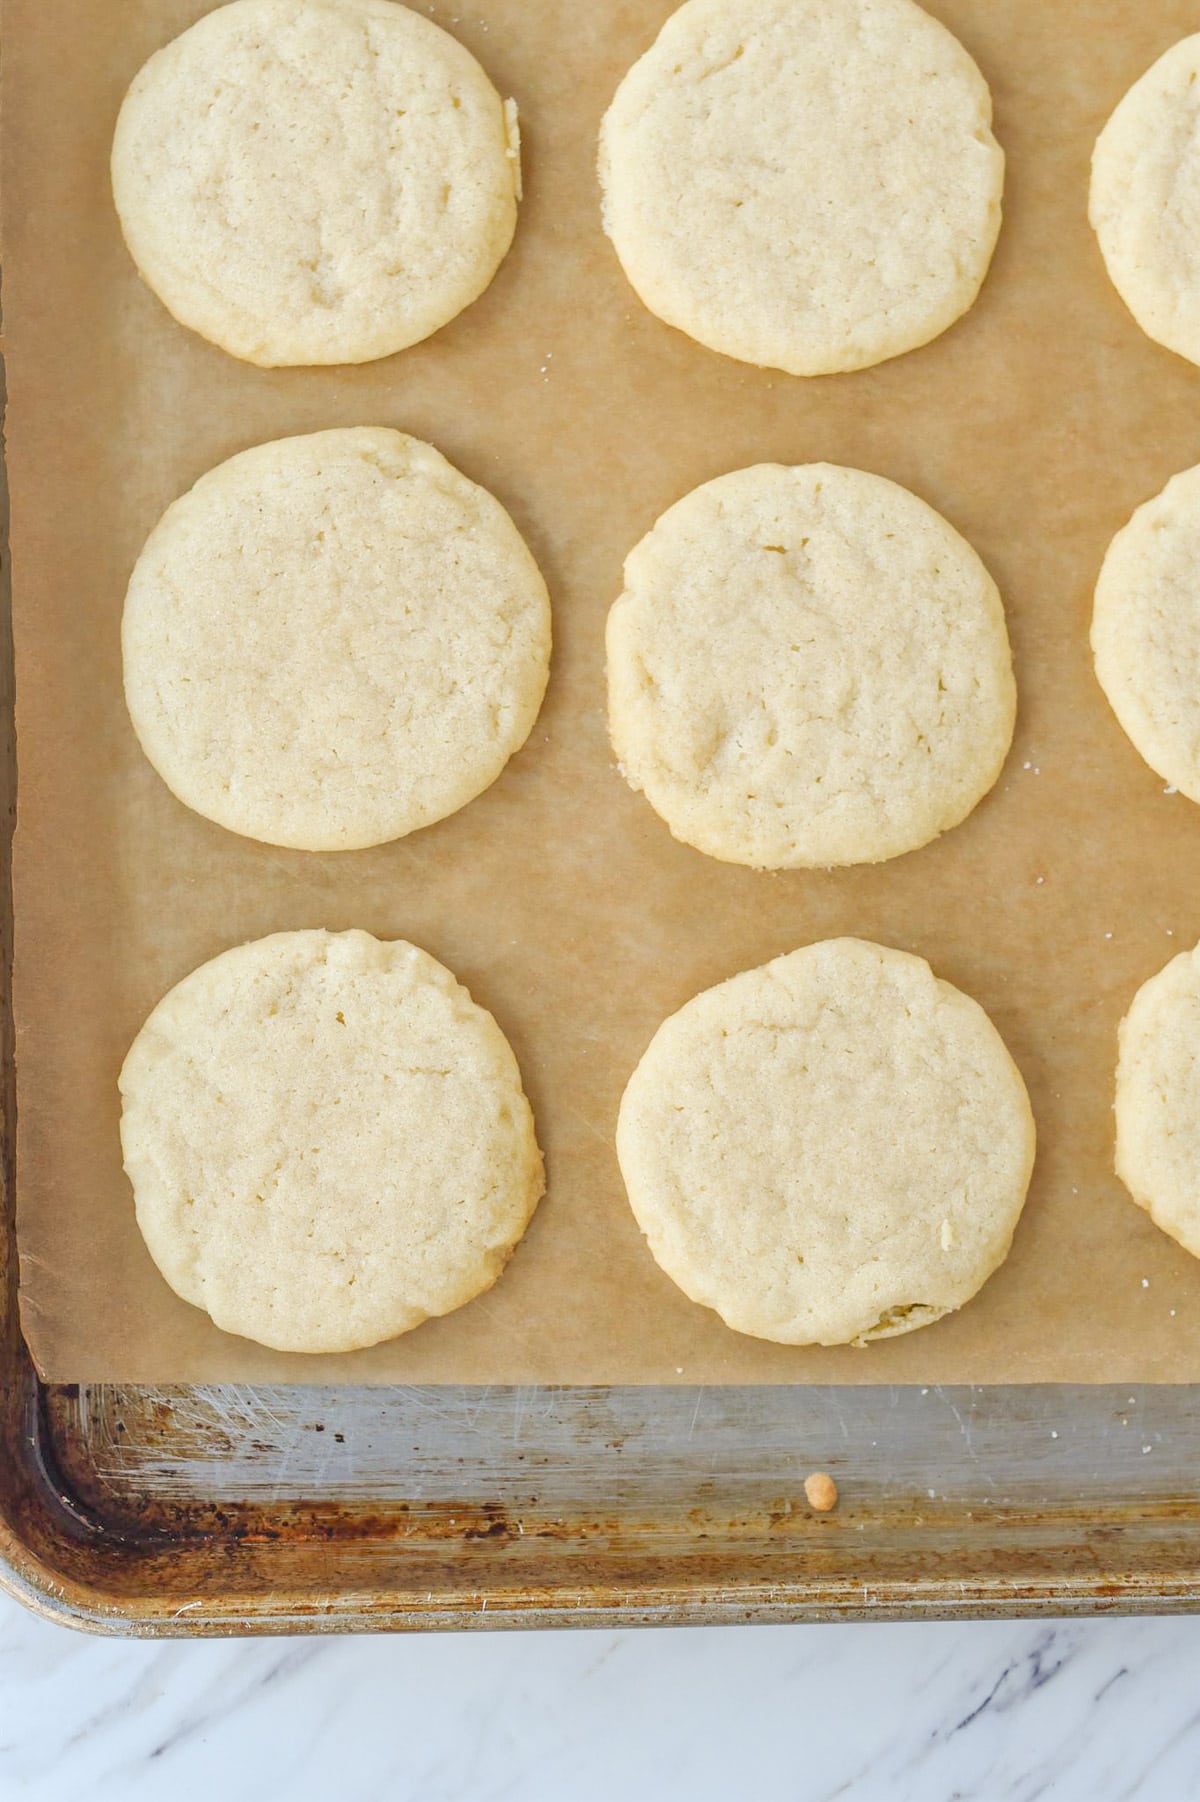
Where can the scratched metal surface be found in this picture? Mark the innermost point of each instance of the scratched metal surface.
(222, 1510)
(637, 1449)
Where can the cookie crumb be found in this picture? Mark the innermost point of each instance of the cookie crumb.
(820, 1492)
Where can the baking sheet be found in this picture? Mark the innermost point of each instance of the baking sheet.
(1035, 426)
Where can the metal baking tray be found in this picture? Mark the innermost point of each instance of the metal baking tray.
(255, 1510)
(230, 1510)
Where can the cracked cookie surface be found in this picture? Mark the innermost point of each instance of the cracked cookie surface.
(1146, 631)
(808, 667)
(315, 181)
(808, 185)
(1158, 1099)
(333, 640)
(328, 1141)
(831, 1149)
(1144, 199)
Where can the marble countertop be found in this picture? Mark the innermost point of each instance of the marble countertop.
(1086, 1711)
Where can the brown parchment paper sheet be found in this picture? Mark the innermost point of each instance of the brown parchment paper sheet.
(1035, 426)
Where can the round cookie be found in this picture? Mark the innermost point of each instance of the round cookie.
(328, 1141)
(315, 181)
(1158, 1100)
(809, 185)
(1145, 199)
(831, 1149)
(808, 667)
(1146, 631)
(333, 640)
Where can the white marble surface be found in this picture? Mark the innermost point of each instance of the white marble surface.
(1094, 1711)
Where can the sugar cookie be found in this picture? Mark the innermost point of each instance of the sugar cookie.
(328, 1141)
(833, 1148)
(808, 667)
(811, 185)
(315, 181)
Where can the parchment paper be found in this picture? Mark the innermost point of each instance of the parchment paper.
(1035, 426)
